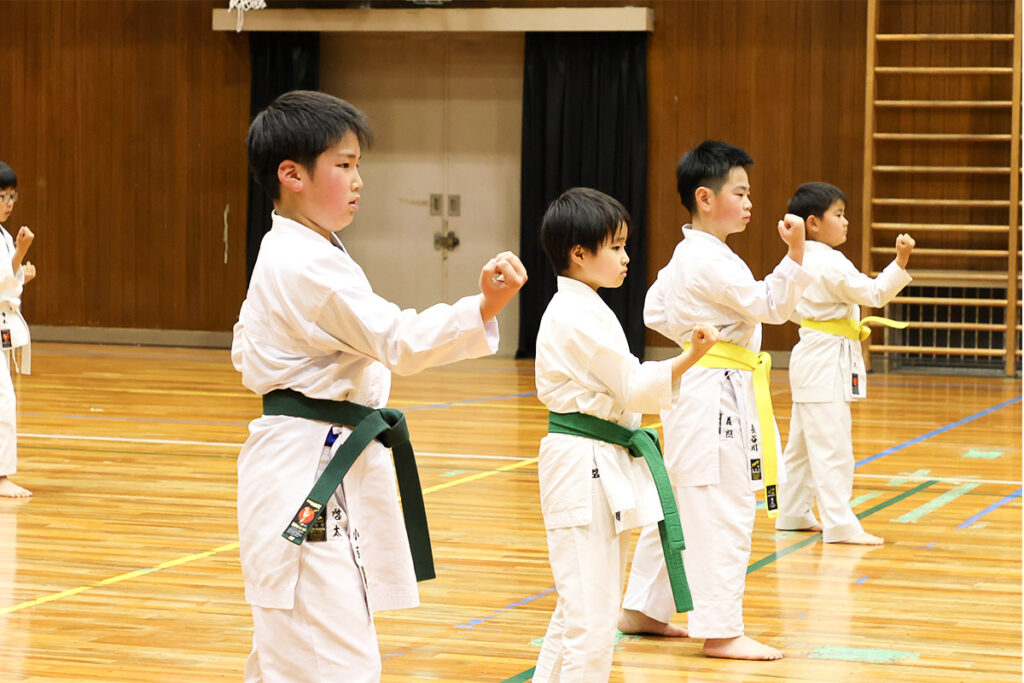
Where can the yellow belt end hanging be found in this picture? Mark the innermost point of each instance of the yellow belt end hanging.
(766, 420)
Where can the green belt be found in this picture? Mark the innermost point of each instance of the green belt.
(387, 426)
(640, 443)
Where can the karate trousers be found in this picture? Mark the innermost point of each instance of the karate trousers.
(8, 421)
(328, 636)
(717, 520)
(589, 564)
(819, 465)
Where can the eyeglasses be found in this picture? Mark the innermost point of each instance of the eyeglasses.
(8, 197)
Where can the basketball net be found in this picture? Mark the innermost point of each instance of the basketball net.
(243, 6)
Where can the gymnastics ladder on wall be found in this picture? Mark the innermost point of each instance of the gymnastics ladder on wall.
(942, 162)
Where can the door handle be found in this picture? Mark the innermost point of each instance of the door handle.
(445, 241)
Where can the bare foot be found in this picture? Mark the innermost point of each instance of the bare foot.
(631, 621)
(740, 647)
(8, 489)
(863, 538)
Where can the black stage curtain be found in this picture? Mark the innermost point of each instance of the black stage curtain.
(281, 61)
(584, 124)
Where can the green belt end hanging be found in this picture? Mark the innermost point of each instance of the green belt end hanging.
(642, 443)
(385, 425)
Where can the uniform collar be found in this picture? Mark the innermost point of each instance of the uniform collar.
(568, 284)
(814, 245)
(287, 226)
(692, 233)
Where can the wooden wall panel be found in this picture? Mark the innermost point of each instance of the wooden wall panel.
(782, 79)
(125, 122)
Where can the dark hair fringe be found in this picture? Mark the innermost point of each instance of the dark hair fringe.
(299, 125)
(580, 216)
(707, 165)
(8, 178)
(814, 199)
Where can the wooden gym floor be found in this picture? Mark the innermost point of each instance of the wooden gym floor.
(124, 565)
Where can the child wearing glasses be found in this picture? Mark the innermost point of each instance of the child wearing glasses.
(13, 329)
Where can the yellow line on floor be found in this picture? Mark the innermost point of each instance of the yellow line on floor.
(225, 548)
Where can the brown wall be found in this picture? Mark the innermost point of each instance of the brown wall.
(125, 123)
(782, 79)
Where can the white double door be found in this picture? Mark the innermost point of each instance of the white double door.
(447, 116)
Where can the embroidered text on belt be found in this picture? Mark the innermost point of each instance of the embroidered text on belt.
(725, 355)
(851, 329)
(387, 426)
(641, 443)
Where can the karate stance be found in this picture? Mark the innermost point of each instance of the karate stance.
(594, 491)
(14, 335)
(719, 440)
(315, 341)
(826, 369)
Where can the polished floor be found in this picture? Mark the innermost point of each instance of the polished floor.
(123, 567)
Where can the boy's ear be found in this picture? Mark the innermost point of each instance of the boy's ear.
(813, 224)
(290, 175)
(703, 196)
(576, 254)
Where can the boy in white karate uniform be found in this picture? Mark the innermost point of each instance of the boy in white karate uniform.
(718, 438)
(593, 492)
(826, 369)
(315, 341)
(14, 336)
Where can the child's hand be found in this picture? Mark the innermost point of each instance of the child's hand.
(904, 245)
(29, 270)
(703, 337)
(792, 232)
(24, 239)
(500, 279)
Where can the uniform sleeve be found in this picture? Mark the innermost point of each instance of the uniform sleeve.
(851, 286)
(237, 333)
(10, 282)
(406, 341)
(654, 308)
(639, 387)
(771, 300)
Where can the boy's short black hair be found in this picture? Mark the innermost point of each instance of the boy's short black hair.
(814, 199)
(299, 125)
(8, 178)
(707, 165)
(580, 216)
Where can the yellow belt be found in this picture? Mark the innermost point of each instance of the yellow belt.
(851, 329)
(731, 356)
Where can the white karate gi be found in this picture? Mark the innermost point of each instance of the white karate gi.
(11, 285)
(311, 322)
(592, 493)
(710, 431)
(819, 454)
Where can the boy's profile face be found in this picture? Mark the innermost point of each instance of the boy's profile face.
(8, 196)
(830, 228)
(728, 210)
(326, 197)
(607, 266)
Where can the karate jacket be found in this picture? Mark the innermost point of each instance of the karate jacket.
(705, 281)
(584, 365)
(11, 285)
(310, 322)
(822, 365)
